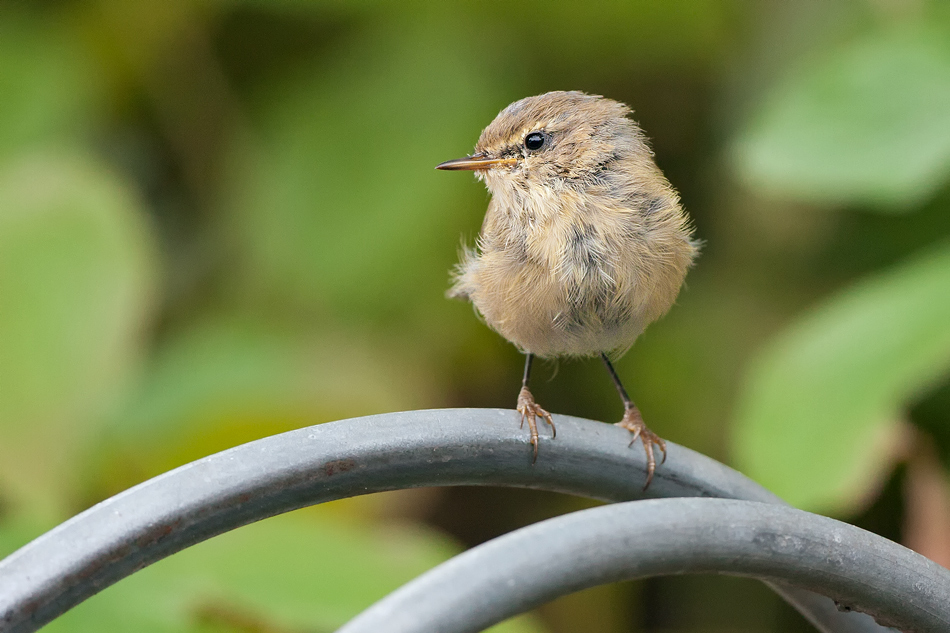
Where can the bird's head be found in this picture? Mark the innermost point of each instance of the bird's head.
(557, 140)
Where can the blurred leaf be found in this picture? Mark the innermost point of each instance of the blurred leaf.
(17, 531)
(819, 397)
(51, 89)
(229, 381)
(286, 574)
(76, 280)
(304, 6)
(604, 36)
(343, 209)
(868, 122)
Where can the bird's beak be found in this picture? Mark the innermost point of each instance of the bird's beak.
(475, 162)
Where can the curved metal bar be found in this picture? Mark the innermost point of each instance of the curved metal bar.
(526, 568)
(284, 472)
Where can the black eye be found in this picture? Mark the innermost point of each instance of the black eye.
(534, 141)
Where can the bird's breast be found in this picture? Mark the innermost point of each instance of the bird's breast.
(551, 282)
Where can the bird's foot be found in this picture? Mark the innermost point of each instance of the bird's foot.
(531, 411)
(633, 422)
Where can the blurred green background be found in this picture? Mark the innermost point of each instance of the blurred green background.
(219, 220)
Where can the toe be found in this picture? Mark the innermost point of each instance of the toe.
(651, 463)
(550, 421)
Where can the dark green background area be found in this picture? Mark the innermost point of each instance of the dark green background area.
(219, 220)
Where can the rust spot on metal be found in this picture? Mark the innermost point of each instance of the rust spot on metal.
(338, 466)
(156, 533)
(121, 552)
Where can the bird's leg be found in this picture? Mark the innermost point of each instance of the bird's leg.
(530, 410)
(633, 422)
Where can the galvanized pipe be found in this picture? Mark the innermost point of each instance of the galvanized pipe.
(638, 539)
(448, 447)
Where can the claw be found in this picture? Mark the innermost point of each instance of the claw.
(633, 422)
(530, 411)
(636, 435)
(651, 463)
(550, 421)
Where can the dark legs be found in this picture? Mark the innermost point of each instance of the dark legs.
(530, 410)
(528, 360)
(633, 422)
(627, 402)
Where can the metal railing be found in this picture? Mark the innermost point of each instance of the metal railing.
(748, 531)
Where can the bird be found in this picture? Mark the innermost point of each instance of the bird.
(584, 242)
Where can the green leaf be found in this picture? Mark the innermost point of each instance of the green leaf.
(77, 269)
(342, 207)
(297, 572)
(229, 380)
(50, 86)
(820, 397)
(868, 122)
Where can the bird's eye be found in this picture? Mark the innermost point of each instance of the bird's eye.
(534, 141)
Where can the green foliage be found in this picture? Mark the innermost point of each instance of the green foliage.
(287, 574)
(77, 270)
(220, 220)
(51, 90)
(866, 122)
(338, 211)
(226, 382)
(820, 396)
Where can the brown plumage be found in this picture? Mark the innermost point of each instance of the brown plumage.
(584, 242)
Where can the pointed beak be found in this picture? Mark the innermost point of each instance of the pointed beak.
(475, 162)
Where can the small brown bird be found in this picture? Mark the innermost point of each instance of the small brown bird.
(584, 242)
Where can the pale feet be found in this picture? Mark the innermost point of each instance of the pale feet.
(531, 411)
(633, 422)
